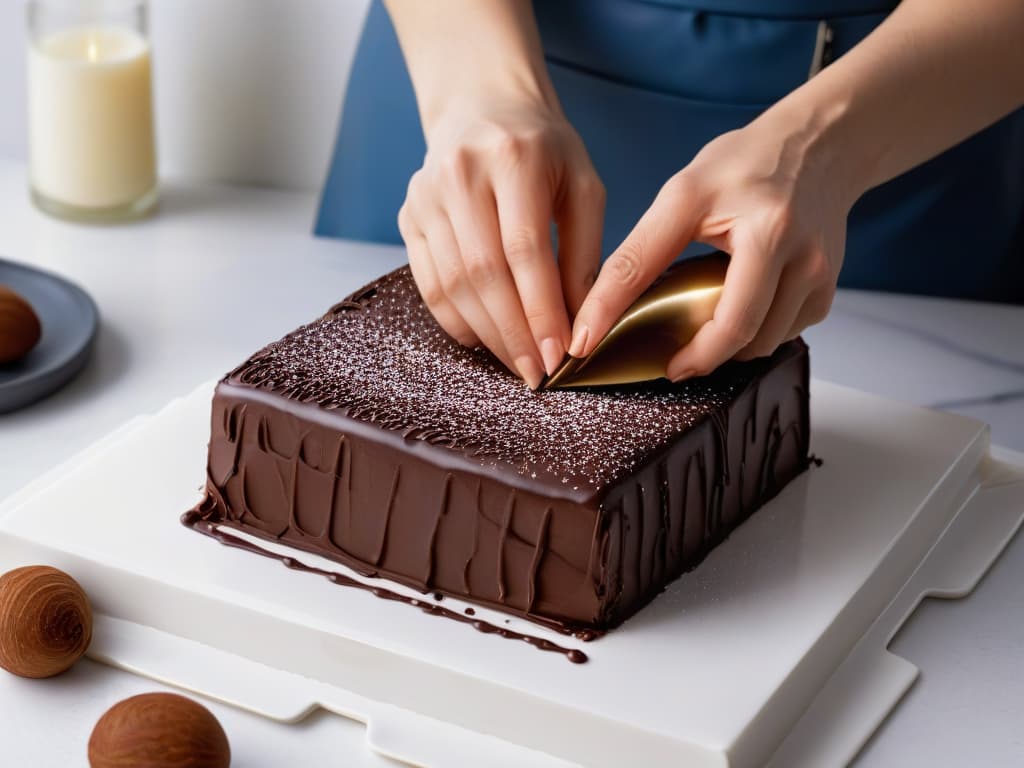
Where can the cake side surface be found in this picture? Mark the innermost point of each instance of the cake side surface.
(384, 508)
(431, 465)
(687, 498)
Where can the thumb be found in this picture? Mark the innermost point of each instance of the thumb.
(664, 230)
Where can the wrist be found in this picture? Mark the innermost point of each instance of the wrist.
(819, 129)
(463, 92)
(463, 51)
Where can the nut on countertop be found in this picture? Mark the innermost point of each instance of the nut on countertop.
(45, 621)
(159, 730)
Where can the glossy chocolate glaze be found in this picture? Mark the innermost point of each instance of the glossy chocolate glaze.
(369, 438)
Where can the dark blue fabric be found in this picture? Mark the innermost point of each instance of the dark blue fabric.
(647, 83)
(696, 54)
(380, 142)
(772, 9)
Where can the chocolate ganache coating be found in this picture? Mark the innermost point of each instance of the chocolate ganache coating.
(371, 438)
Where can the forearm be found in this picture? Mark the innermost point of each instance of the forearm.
(469, 51)
(931, 75)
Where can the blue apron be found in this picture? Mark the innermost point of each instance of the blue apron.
(647, 84)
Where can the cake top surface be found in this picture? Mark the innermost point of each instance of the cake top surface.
(380, 357)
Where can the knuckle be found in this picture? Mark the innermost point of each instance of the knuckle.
(432, 293)
(404, 221)
(762, 348)
(415, 186)
(771, 191)
(510, 147)
(625, 265)
(817, 269)
(481, 267)
(535, 312)
(820, 305)
(535, 137)
(592, 189)
(449, 279)
(456, 166)
(453, 325)
(521, 246)
(596, 308)
(740, 331)
(516, 339)
(780, 223)
(783, 218)
(678, 188)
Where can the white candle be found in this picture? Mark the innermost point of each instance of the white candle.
(91, 118)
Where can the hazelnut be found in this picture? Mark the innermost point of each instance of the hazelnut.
(158, 730)
(45, 621)
(19, 326)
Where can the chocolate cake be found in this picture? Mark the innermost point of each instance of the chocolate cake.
(371, 438)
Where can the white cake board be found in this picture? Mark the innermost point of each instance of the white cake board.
(796, 608)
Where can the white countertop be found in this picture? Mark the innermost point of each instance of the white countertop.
(221, 270)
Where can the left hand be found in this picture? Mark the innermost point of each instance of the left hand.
(768, 195)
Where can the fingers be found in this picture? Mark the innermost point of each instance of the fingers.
(429, 285)
(477, 218)
(803, 298)
(789, 299)
(660, 235)
(444, 251)
(580, 218)
(485, 272)
(814, 310)
(750, 285)
(524, 216)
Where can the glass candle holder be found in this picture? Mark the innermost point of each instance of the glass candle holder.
(92, 153)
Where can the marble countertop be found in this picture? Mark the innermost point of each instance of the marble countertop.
(241, 261)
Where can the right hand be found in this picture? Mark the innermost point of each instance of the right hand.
(477, 224)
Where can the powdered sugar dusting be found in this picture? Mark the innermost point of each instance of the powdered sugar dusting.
(380, 357)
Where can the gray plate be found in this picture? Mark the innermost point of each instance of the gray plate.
(70, 323)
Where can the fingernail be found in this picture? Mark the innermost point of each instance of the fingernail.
(529, 370)
(579, 341)
(552, 351)
(686, 373)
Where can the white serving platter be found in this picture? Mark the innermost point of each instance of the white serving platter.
(778, 638)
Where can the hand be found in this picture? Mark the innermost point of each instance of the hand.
(477, 224)
(765, 195)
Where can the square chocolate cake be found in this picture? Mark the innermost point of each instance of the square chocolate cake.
(371, 438)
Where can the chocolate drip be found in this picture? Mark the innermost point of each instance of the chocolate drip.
(292, 500)
(346, 478)
(194, 520)
(332, 504)
(506, 521)
(442, 508)
(387, 517)
(476, 539)
(538, 555)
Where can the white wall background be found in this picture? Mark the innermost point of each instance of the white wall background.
(246, 90)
